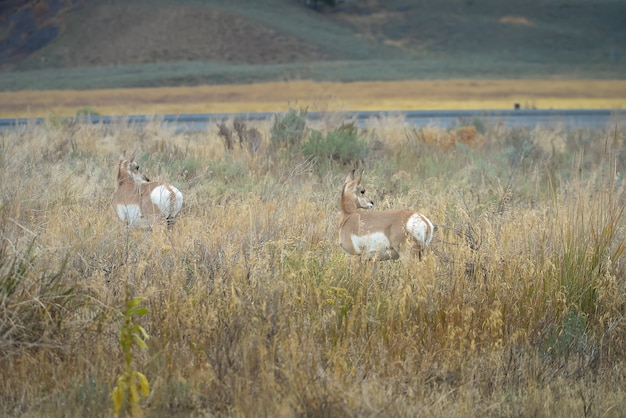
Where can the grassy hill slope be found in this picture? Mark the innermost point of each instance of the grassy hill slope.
(58, 44)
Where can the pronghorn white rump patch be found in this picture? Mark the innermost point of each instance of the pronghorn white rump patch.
(420, 228)
(162, 197)
(376, 242)
(129, 213)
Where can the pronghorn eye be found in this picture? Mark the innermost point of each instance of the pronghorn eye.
(363, 191)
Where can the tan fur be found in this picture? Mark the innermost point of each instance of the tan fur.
(392, 224)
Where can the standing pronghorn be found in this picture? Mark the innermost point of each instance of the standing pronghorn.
(139, 201)
(383, 235)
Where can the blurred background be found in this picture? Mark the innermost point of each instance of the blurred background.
(79, 44)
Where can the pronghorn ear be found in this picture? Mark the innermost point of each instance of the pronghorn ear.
(358, 179)
(349, 177)
(123, 155)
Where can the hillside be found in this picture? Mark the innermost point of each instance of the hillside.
(81, 44)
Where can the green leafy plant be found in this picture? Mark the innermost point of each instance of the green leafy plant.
(132, 382)
(341, 145)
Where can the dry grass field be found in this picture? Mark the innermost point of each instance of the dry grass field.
(247, 306)
(323, 96)
(252, 308)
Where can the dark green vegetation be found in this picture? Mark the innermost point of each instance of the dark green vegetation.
(52, 44)
(518, 308)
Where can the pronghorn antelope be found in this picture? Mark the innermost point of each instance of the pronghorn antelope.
(382, 235)
(139, 201)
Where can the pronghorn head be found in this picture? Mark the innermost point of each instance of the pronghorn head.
(353, 194)
(129, 169)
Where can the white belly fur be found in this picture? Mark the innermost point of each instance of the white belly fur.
(376, 242)
(129, 213)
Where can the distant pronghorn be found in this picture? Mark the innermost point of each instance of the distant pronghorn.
(139, 201)
(383, 235)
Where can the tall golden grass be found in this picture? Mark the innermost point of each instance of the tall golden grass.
(517, 310)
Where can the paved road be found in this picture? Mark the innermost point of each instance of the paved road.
(444, 118)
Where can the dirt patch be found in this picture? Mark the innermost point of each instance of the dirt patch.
(515, 20)
(169, 33)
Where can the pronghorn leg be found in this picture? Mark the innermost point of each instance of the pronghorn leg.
(387, 274)
(416, 252)
(374, 267)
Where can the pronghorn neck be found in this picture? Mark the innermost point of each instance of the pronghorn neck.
(123, 176)
(348, 201)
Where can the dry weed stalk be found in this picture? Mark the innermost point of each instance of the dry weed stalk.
(249, 138)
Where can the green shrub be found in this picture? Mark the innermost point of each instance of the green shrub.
(288, 130)
(519, 146)
(341, 145)
(567, 338)
(87, 112)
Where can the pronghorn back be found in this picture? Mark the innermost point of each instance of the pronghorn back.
(382, 235)
(139, 201)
